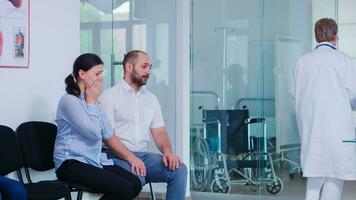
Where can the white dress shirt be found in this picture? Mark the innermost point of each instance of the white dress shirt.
(132, 114)
(325, 92)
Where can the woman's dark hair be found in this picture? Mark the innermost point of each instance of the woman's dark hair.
(84, 62)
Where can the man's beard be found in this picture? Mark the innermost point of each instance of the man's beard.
(140, 81)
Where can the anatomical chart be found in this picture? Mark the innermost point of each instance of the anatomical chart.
(14, 33)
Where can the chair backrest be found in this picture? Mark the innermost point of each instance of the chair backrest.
(233, 130)
(238, 132)
(10, 155)
(37, 144)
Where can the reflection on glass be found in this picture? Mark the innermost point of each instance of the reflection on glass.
(119, 49)
(162, 50)
(95, 11)
(86, 44)
(111, 28)
(122, 12)
(105, 50)
(139, 37)
(225, 69)
(243, 54)
(96, 34)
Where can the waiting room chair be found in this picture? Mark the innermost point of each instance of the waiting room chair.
(82, 188)
(153, 196)
(11, 160)
(37, 143)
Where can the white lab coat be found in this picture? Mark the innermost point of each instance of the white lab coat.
(324, 92)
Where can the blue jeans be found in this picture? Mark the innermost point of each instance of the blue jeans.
(11, 189)
(157, 172)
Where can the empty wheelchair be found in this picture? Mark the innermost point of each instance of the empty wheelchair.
(228, 146)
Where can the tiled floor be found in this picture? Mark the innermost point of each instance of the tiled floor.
(294, 189)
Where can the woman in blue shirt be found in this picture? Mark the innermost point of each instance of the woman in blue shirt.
(82, 127)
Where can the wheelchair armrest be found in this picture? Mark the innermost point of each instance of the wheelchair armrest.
(253, 120)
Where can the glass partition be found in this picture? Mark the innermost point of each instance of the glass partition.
(244, 139)
(244, 142)
(112, 28)
(227, 98)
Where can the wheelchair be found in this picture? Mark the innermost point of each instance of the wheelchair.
(225, 146)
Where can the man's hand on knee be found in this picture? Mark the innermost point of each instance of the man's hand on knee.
(137, 165)
(171, 160)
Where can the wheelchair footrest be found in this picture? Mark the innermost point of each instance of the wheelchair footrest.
(251, 163)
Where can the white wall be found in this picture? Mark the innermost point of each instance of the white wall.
(33, 93)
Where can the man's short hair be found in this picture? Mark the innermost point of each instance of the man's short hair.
(131, 57)
(325, 30)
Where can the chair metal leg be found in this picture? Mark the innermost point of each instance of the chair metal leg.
(69, 197)
(153, 196)
(80, 195)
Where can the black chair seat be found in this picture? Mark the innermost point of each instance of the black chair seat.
(47, 190)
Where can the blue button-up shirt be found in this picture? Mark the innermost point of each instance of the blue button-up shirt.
(81, 129)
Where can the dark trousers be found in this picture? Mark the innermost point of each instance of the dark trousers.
(112, 181)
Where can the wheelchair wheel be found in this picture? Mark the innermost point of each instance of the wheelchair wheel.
(200, 166)
(220, 185)
(275, 186)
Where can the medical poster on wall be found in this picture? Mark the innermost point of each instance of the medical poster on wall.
(14, 33)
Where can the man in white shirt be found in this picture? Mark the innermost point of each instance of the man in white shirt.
(135, 114)
(324, 91)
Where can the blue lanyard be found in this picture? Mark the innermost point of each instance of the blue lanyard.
(328, 45)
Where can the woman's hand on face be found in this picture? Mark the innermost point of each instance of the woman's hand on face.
(93, 91)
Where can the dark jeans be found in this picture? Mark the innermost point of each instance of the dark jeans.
(112, 181)
(11, 189)
(156, 172)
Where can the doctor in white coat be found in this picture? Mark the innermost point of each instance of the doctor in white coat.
(324, 92)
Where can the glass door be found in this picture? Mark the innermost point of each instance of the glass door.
(244, 139)
(228, 112)
(96, 32)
